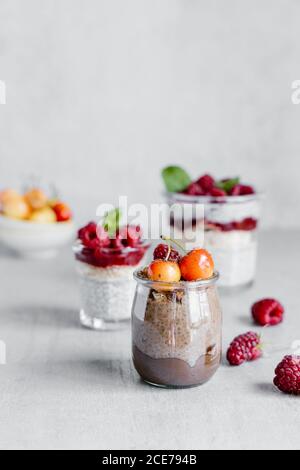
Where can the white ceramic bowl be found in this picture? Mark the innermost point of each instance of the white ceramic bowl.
(35, 240)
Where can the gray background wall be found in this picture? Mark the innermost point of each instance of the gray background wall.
(102, 93)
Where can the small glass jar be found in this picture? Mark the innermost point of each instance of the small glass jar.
(106, 285)
(176, 332)
(229, 228)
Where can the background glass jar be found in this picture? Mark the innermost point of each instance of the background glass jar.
(176, 332)
(106, 285)
(230, 226)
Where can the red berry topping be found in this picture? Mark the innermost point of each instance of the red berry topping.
(217, 192)
(287, 377)
(236, 190)
(206, 182)
(244, 348)
(161, 252)
(268, 312)
(130, 235)
(88, 235)
(116, 243)
(242, 190)
(92, 236)
(102, 251)
(134, 235)
(194, 189)
(102, 235)
(246, 190)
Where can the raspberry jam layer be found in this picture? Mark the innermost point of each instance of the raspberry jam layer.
(108, 257)
(248, 224)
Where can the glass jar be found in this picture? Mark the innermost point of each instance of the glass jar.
(228, 227)
(176, 332)
(106, 285)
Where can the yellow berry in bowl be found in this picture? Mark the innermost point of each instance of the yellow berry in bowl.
(16, 208)
(43, 216)
(36, 198)
(8, 195)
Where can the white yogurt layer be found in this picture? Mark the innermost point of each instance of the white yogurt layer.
(106, 293)
(234, 254)
(232, 212)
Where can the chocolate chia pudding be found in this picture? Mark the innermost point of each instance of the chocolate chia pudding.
(176, 333)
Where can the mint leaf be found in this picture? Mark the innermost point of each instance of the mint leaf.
(175, 178)
(111, 221)
(228, 185)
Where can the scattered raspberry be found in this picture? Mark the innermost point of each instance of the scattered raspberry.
(217, 192)
(268, 312)
(287, 377)
(206, 182)
(194, 189)
(161, 252)
(244, 348)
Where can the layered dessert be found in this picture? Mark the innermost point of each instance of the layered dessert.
(176, 319)
(106, 261)
(229, 223)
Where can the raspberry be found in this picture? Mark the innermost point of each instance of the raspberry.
(116, 243)
(246, 190)
(217, 192)
(92, 236)
(88, 235)
(134, 235)
(161, 252)
(241, 190)
(244, 348)
(206, 182)
(102, 235)
(267, 312)
(194, 189)
(130, 235)
(236, 190)
(287, 375)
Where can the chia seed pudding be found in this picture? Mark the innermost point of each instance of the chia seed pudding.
(228, 227)
(106, 279)
(176, 331)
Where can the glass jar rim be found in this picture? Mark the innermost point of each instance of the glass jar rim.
(175, 285)
(181, 197)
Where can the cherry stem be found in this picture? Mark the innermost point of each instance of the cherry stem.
(169, 251)
(170, 240)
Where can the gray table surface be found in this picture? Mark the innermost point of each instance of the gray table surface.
(67, 387)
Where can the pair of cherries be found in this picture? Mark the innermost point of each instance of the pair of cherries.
(170, 267)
